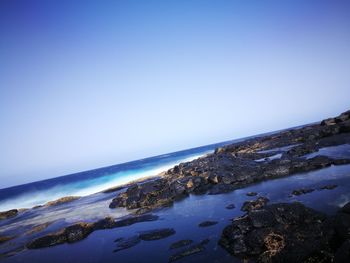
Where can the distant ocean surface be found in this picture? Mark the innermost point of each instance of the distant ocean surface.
(93, 181)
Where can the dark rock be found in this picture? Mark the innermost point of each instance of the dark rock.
(329, 187)
(105, 223)
(191, 250)
(342, 225)
(136, 219)
(125, 243)
(8, 214)
(38, 228)
(62, 200)
(230, 206)
(207, 223)
(259, 203)
(156, 234)
(80, 231)
(346, 208)
(251, 194)
(69, 234)
(278, 233)
(343, 253)
(4, 239)
(181, 243)
(302, 191)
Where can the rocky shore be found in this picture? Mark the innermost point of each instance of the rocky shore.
(240, 164)
(265, 233)
(289, 233)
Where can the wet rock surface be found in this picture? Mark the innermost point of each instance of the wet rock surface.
(181, 243)
(150, 235)
(234, 166)
(191, 250)
(289, 232)
(255, 204)
(8, 214)
(62, 200)
(156, 234)
(302, 191)
(207, 223)
(125, 243)
(79, 231)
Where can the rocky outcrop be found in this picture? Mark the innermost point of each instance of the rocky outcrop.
(8, 214)
(62, 200)
(289, 233)
(235, 166)
(278, 233)
(79, 231)
(259, 203)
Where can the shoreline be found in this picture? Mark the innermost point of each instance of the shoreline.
(232, 167)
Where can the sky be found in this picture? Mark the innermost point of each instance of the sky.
(87, 84)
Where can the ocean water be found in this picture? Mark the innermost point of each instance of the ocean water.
(93, 181)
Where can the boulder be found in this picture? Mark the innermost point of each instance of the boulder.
(8, 214)
(259, 203)
(278, 233)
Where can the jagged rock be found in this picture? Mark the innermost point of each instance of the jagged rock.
(181, 243)
(69, 234)
(278, 233)
(259, 203)
(8, 214)
(207, 223)
(156, 234)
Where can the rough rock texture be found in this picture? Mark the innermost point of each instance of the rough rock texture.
(8, 214)
(289, 233)
(255, 204)
(62, 200)
(234, 166)
(81, 230)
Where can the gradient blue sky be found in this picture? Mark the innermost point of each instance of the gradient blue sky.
(86, 84)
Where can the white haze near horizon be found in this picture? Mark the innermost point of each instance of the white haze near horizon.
(124, 81)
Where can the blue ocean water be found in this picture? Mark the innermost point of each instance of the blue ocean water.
(93, 181)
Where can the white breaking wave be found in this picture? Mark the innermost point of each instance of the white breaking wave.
(87, 187)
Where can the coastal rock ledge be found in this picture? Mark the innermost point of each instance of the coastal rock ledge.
(289, 233)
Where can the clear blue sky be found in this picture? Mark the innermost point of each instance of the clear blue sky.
(86, 84)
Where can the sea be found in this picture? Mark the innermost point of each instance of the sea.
(94, 181)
